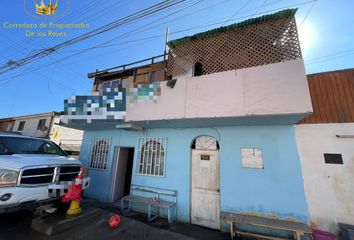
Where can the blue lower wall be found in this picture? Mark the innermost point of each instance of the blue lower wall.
(277, 189)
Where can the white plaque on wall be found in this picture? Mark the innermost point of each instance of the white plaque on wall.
(251, 158)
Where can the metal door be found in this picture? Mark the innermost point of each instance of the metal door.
(205, 194)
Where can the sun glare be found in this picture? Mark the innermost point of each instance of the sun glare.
(306, 37)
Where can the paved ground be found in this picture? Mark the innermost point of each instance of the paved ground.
(188, 230)
(133, 227)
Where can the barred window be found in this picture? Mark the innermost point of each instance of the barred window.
(151, 155)
(99, 153)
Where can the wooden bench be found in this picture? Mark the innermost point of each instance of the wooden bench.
(298, 229)
(145, 195)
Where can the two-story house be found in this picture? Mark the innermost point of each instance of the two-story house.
(214, 121)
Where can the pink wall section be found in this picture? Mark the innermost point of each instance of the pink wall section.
(274, 89)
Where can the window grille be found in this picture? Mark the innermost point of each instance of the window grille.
(151, 155)
(99, 153)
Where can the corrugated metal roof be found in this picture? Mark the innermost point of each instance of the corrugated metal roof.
(268, 17)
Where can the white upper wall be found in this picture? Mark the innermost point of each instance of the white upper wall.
(274, 89)
(328, 187)
(64, 135)
(53, 131)
(31, 124)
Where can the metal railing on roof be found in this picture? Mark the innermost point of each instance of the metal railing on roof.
(132, 65)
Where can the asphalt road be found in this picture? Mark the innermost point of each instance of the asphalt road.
(15, 225)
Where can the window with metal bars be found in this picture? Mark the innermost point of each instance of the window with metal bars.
(151, 155)
(99, 153)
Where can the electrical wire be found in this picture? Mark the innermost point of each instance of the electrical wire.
(238, 11)
(330, 57)
(260, 7)
(54, 62)
(63, 59)
(82, 11)
(118, 23)
(308, 13)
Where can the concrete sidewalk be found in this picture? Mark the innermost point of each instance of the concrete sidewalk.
(185, 229)
(97, 229)
(17, 226)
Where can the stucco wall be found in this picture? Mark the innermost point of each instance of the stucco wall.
(272, 89)
(276, 189)
(64, 135)
(7, 126)
(329, 187)
(30, 128)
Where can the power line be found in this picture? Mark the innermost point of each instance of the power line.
(85, 50)
(118, 23)
(308, 13)
(237, 12)
(105, 28)
(212, 6)
(135, 31)
(260, 7)
(79, 12)
(214, 23)
(69, 69)
(106, 10)
(331, 56)
(87, 9)
(96, 17)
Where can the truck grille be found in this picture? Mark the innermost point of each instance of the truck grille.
(68, 173)
(48, 174)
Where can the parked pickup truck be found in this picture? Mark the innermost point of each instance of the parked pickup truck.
(33, 172)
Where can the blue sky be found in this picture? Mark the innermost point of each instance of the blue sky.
(326, 35)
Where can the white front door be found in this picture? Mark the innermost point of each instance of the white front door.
(205, 195)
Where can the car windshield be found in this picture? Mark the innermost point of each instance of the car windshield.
(20, 145)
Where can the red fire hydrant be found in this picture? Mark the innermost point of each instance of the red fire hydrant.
(114, 221)
(74, 194)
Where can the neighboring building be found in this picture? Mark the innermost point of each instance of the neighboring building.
(326, 146)
(46, 125)
(214, 122)
(7, 124)
(36, 125)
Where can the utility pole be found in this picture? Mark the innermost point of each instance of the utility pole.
(165, 52)
(166, 40)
